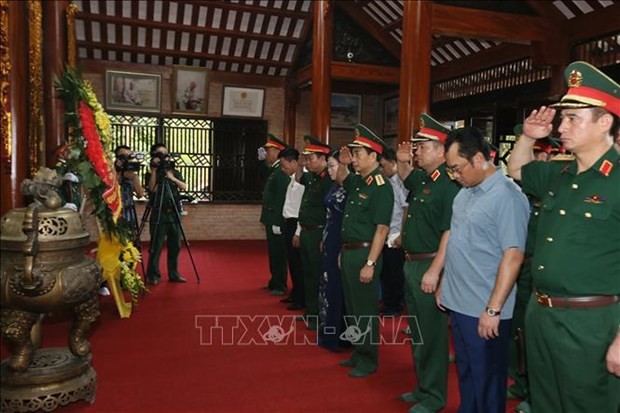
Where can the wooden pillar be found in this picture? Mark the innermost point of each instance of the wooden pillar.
(291, 98)
(321, 69)
(415, 66)
(14, 98)
(54, 59)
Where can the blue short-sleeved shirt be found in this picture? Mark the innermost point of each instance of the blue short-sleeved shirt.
(486, 220)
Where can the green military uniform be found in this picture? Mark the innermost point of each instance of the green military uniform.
(271, 216)
(369, 203)
(312, 216)
(429, 216)
(577, 255)
(164, 226)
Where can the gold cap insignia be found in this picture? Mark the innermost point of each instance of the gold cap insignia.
(421, 122)
(357, 133)
(575, 78)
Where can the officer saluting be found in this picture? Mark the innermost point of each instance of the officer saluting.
(572, 322)
(365, 226)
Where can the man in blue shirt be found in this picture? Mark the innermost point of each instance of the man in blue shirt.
(483, 257)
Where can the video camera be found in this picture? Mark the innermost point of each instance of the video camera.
(127, 163)
(162, 162)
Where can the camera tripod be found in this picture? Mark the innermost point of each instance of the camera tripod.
(163, 191)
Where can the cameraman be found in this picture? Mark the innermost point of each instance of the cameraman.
(127, 167)
(168, 227)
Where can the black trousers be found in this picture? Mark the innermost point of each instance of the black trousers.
(294, 262)
(393, 278)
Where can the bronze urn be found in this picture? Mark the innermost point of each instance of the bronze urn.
(44, 270)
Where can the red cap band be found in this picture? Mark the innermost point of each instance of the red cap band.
(612, 103)
(274, 144)
(316, 148)
(428, 131)
(370, 144)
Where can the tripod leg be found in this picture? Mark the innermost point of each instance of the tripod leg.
(136, 232)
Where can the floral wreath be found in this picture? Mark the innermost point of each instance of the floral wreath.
(90, 141)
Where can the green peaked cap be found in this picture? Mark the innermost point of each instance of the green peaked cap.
(430, 130)
(273, 142)
(589, 87)
(366, 138)
(313, 145)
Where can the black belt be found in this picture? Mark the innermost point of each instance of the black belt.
(591, 301)
(355, 245)
(310, 227)
(419, 257)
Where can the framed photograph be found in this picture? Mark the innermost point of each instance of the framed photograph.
(132, 92)
(390, 116)
(243, 101)
(346, 110)
(189, 89)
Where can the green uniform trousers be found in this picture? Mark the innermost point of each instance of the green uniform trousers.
(310, 250)
(429, 332)
(276, 248)
(520, 387)
(170, 231)
(566, 351)
(362, 308)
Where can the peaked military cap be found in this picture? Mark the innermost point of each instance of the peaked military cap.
(430, 130)
(365, 138)
(313, 145)
(589, 87)
(273, 142)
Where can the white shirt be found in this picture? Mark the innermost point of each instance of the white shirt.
(292, 201)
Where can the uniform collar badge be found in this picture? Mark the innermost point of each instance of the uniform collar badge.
(435, 175)
(606, 167)
(379, 179)
(369, 180)
(594, 199)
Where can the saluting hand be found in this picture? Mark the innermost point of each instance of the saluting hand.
(345, 156)
(488, 327)
(540, 123)
(404, 152)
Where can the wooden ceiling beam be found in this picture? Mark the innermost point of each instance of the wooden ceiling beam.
(396, 24)
(360, 17)
(267, 11)
(151, 24)
(547, 10)
(463, 22)
(356, 72)
(497, 55)
(594, 24)
(149, 51)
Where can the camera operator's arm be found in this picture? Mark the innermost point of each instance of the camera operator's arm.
(152, 180)
(178, 182)
(137, 186)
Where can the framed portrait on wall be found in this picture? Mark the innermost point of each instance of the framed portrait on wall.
(390, 116)
(243, 101)
(189, 91)
(346, 110)
(132, 92)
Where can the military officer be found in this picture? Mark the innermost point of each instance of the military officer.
(271, 215)
(366, 224)
(572, 321)
(425, 233)
(311, 221)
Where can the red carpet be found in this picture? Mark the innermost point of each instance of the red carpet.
(155, 362)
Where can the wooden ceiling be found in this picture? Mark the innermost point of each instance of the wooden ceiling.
(266, 37)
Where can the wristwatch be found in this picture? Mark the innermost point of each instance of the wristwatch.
(492, 312)
(371, 263)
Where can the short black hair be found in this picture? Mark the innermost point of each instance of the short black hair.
(157, 146)
(119, 147)
(471, 141)
(389, 154)
(289, 153)
(334, 154)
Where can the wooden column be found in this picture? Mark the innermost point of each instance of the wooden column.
(415, 66)
(291, 98)
(54, 59)
(14, 98)
(321, 65)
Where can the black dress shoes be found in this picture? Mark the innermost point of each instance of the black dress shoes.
(288, 299)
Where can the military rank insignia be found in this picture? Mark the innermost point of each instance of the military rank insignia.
(606, 167)
(379, 179)
(435, 175)
(594, 199)
(369, 180)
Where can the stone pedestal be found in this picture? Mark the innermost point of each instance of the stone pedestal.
(54, 378)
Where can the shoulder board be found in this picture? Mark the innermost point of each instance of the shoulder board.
(379, 179)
